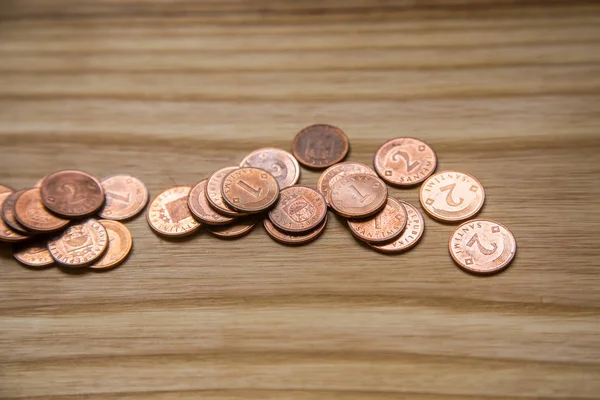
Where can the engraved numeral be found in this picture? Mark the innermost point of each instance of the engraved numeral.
(124, 199)
(71, 188)
(276, 170)
(482, 249)
(254, 192)
(361, 198)
(406, 157)
(449, 199)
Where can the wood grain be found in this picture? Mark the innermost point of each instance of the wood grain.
(508, 91)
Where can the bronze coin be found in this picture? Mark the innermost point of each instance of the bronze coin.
(405, 161)
(126, 197)
(6, 233)
(415, 226)
(382, 227)
(358, 195)
(320, 146)
(452, 196)
(31, 213)
(299, 209)
(169, 215)
(336, 172)
(39, 183)
(482, 246)
(250, 190)
(279, 163)
(5, 189)
(234, 230)
(214, 195)
(293, 240)
(72, 194)
(202, 211)
(80, 244)
(119, 245)
(8, 213)
(33, 254)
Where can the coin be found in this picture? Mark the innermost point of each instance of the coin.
(72, 194)
(279, 163)
(299, 239)
(169, 215)
(299, 209)
(214, 195)
(320, 146)
(5, 189)
(119, 245)
(201, 210)
(8, 213)
(31, 213)
(358, 195)
(6, 233)
(234, 230)
(249, 190)
(452, 196)
(33, 254)
(80, 244)
(382, 227)
(482, 246)
(336, 172)
(39, 183)
(404, 161)
(412, 234)
(126, 196)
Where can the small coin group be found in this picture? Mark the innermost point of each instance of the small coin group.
(53, 222)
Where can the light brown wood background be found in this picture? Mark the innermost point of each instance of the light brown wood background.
(169, 91)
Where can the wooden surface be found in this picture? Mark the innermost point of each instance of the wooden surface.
(508, 91)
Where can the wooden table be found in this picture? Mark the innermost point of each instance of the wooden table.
(170, 91)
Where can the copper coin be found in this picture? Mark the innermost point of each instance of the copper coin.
(202, 211)
(126, 197)
(5, 189)
(34, 254)
(382, 227)
(8, 213)
(169, 215)
(214, 195)
(250, 190)
(279, 163)
(39, 183)
(31, 213)
(336, 172)
(72, 194)
(6, 233)
(320, 146)
(412, 234)
(452, 196)
(482, 246)
(119, 245)
(299, 209)
(358, 195)
(294, 240)
(234, 230)
(405, 161)
(80, 244)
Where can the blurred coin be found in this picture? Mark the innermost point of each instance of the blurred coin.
(202, 211)
(8, 213)
(234, 230)
(382, 227)
(39, 183)
(415, 226)
(169, 215)
(298, 239)
(5, 189)
(452, 196)
(72, 194)
(214, 195)
(33, 254)
(6, 233)
(279, 163)
(126, 196)
(119, 245)
(320, 146)
(405, 161)
(299, 209)
(249, 190)
(358, 195)
(80, 244)
(336, 172)
(31, 213)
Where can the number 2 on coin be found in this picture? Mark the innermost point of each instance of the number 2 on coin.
(406, 157)
(482, 248)
(449, 198)
(71, 188)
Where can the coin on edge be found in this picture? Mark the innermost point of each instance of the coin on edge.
(214, 195)
(34, 254)
(358, 196)
(80, 244)
(72, 194)
(126, 197)
(32, 214)
(404, 161)
(320, 146)
(8, 213)
(293, 240)
(201, 210)
(299, 209)
(336, 172)
(169, 215)
(279, 163)
(234, 230)
(119, 245)
(452, 196)
(6, 233)
(383, 227)
(412, 234)
(250, 190)
(482, 246)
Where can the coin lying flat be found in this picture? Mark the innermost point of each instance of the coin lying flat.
(234, 230)
(33, 254)
(8, 213)
(214, 194)
(201, 210)
(452, 196)
(320, 146)
(119, 245)
(382, 227)
(336, 172)
(72, 194)
(405, 161)
(249, 190)
(482, 246)
(169, 215)
(412, 234)
(293, 240)
(31, 213)
(6, 233)
(126, 197)
(299, 209)
(5, 189)
(80, 244)
(358, 195)
(279, 163)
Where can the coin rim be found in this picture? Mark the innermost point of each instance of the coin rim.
(41, 243)
(216, 207)
(171, 235)
(345, 215)
(378, 247)
(295, 162)
(405, 185)
(72, 215)
(317, 167)
(35, 229)
(303, 238)
(20, 228)
(131, 215)
(253, 210)
(87, 263)
(321, 179)
(380, 241)
(202, 219)
(296, 231)
(124, 256)
(238, 235)
(19, 238)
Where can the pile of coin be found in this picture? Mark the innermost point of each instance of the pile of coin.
(52, 222)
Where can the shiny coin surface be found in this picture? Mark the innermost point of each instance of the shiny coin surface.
(279, 163)
(214, 195)
(8, 213)
(336, 172)
(119, 245)
(202, 211)
(405, 161)
(452, 196)
(72, 194)
(299, 209)
(382, 227)
(320, 146)
(250, 190)
(293, 240)
(482, 246)
(80, 244)
(412, 234)
(33, 254)
(358, 195)
(5, 189)
(7, 234)
(169, 215)
(234, 230)
(126, 197)
(31, 213)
